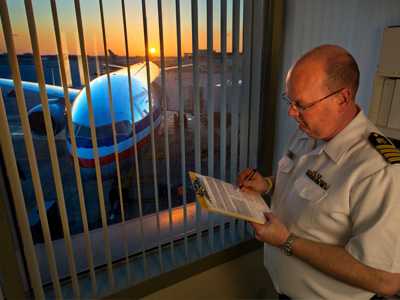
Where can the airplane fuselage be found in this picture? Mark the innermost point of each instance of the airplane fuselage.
(119, 111)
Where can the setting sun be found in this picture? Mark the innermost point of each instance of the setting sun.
(152, 50)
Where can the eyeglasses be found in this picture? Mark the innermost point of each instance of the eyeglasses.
(301, 108)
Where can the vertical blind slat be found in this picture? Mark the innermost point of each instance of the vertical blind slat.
(245, 94)
(166, 138)
(235, 98)
(256, 80)
(94, 142)
(115, 143)
(134, 138)
(223, 122)
(196, 105)
(64, 80)
(52, 147)
(182, 124)
(196, 98)
(236, 88)
(151, 112)
(210, 87)
(210, 109)
(12, 56)
(19, 203)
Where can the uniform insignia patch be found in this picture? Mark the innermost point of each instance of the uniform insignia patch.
(385, 147)
(317, 178)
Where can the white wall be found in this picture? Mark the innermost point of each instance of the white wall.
(356, 25)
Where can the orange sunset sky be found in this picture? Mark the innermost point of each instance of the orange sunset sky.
(114, 26)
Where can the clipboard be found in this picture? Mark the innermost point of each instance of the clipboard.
(242, 206)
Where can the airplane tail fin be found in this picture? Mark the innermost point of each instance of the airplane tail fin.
(111, 53)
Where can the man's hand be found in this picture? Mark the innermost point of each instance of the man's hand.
(257, 182)
(273, 232)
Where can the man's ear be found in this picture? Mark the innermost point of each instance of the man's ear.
(344, 97)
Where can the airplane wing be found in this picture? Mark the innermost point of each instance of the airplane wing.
(53, 91)
(114, 67)
(139, 71)
(176, 67)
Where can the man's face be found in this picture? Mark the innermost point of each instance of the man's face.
(314, 106)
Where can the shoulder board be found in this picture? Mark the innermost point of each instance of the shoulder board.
(385, 147)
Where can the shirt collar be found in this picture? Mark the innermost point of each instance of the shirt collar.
(302, 134)
(346, 138)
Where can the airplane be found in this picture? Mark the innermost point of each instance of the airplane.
(102, 116)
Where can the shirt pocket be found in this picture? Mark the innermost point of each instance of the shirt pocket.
(309, 190)
(308, 195)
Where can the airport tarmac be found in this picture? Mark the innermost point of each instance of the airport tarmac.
(128, 175)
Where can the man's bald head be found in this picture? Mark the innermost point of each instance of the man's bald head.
(321, 87)
(338, 65)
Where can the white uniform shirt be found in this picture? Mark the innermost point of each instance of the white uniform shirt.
(359, 209)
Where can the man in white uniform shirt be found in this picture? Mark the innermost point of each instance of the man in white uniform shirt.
(334, 230)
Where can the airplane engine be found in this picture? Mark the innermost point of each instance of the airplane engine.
(57, 113)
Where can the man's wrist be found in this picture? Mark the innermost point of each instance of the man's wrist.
(287, 246)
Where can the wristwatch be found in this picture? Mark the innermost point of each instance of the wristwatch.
(287, 246)
(269, 188)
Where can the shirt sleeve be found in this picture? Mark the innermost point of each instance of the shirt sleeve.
(375, 217)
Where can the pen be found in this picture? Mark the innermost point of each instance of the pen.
(248, 177)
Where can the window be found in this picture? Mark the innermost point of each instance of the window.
(117, 207)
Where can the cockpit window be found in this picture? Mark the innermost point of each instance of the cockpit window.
(84, 132)
(104, 131)
(76, 129)
(80, 131)
(123, 128)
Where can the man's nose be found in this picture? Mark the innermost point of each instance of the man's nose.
(293, 112)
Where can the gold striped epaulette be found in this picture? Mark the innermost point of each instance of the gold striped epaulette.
(385, 147)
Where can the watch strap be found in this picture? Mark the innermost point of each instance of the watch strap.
(288, 244)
